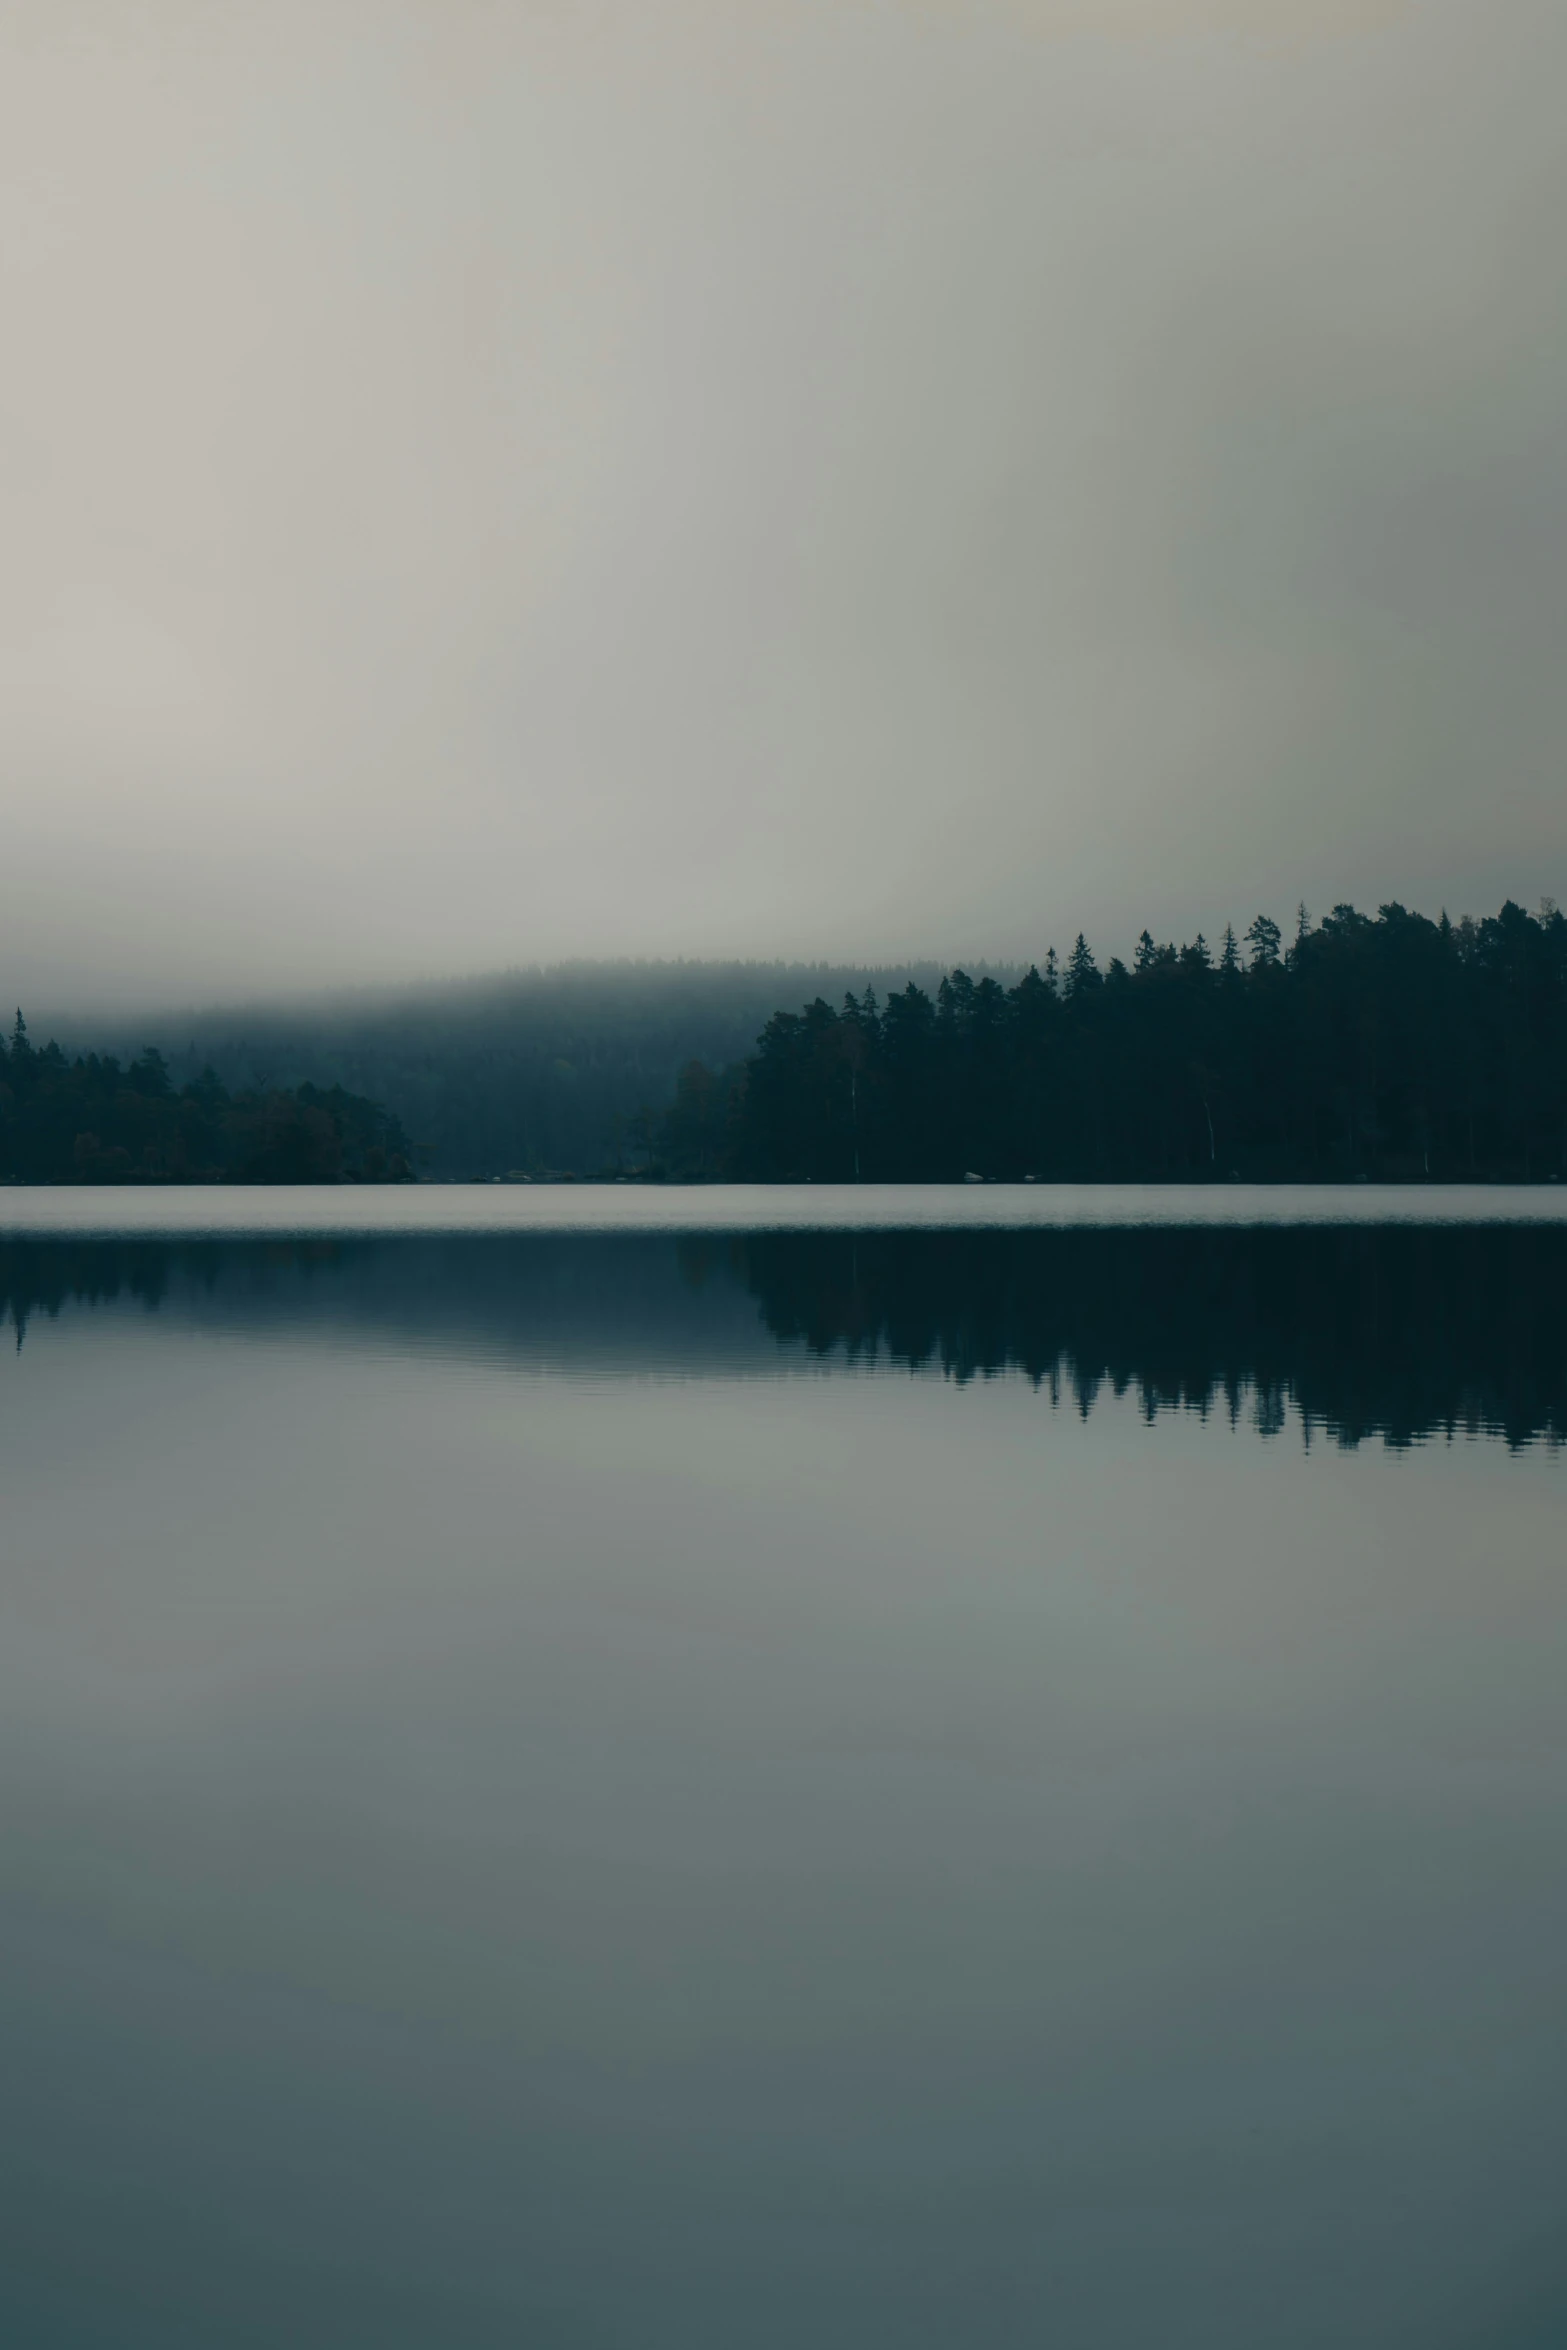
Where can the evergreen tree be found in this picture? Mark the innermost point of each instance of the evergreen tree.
(1264, 938)
(1082, 972)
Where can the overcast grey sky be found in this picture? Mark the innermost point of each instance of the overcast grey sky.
(484, 482)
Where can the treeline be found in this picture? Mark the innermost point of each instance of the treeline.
(1390, 1046)
(92, 1120)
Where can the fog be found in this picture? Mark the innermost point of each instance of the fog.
(485, 483)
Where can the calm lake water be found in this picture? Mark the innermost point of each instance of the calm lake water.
(994, 1772)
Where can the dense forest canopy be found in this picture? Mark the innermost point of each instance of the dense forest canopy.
(92, 1120)
(1387, 1046)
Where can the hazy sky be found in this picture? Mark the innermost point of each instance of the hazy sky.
(483, 482)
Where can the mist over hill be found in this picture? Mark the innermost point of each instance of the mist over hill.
(541, 1070)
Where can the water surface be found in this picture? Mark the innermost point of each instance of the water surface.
(859, 1786)
(257, 1209)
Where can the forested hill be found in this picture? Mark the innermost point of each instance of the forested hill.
(90, 1120)
(1387, 1046)
(563, 1070)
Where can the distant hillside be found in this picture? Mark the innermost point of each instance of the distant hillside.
(537, 1070)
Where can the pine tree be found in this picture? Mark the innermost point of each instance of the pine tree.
(1263, 938)
(1082, 972)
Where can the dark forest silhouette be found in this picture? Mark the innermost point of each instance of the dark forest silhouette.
(1387, 1046)
(90, 1120)
(1391, 1047)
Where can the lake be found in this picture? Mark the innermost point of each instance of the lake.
(632, 1767)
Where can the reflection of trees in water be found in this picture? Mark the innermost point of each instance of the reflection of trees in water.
(42, 1276)
(609, 1299)
(1397, 1331)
